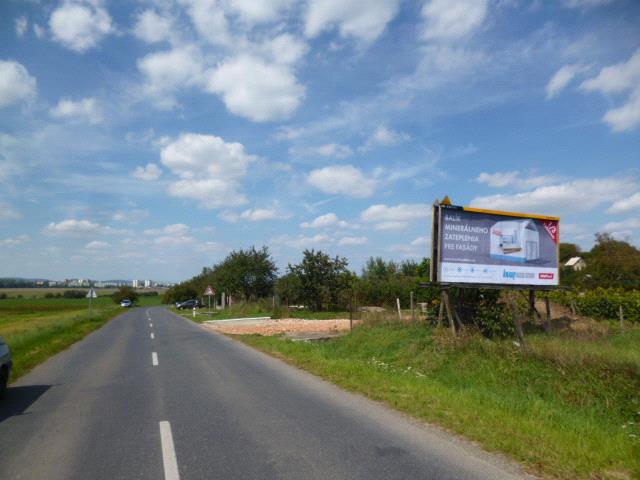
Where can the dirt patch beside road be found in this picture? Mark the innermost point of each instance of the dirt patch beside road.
(279, 326)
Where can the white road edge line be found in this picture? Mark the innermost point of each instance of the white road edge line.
(154, 359)
(168, 452)
(152, 336)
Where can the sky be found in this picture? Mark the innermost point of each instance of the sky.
(147, 139)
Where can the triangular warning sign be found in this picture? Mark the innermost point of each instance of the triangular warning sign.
(209, 291)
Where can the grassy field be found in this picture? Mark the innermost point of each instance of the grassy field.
(37, 328)
(41, 292)
(569, 408)
(258, 309)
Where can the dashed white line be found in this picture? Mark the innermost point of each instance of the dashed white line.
(152, 336)
(150, 324)
(154, 359)
(168, 452)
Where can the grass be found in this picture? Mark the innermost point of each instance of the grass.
(258, 309)
(36, 329)
(568, 409)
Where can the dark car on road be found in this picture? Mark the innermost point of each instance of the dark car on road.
(190, 304)
(5, 365)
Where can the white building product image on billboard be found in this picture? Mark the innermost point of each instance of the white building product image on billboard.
(515, 240)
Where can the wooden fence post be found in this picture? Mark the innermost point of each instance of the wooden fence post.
(441, 310)
(518, 325)
(547, 304)
(399, 312)
(413, 308)
(621, 315)
(447, 304)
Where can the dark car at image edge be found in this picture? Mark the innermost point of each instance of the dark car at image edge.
(190, 304)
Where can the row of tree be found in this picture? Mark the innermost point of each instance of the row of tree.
(611, 263)
(319, 281)
(322, 282)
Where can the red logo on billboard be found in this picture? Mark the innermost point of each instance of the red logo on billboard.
(551, 226)
(545, 276)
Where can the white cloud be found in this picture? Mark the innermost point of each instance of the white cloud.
(285, 48)
(254, 12)
(80, 26)
(570, 197)
(173, 240)
(210, 169)
(421, 241)
(73, 227)
(15, 83)
(364, 20)
(327, 150)
(624, 225)
(148, 173)
(391, 226)
(21, 25)
(347, 241)
(86, 109)
(513, 179)
(561, 78)
(177, 229)
(152, 27)
(384, 136)
(625, 204)
(616, 78)
(401, 212)
(260, 214)
(38, 31)
(256, 90)
(208, 17)
(342, 179)
(302, 241)
(415, 248)
(619, 78)
(7, 212)
(14, 241)
(328, 220)
(97, 245)
(452, 19)
(625, 117)
(585, 3)
(131, 216)
(170, 70)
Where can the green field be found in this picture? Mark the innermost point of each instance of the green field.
(257, 309)
(569, 408)
(36, 328)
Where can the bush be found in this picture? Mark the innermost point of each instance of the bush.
(74, 294)
(124, 293)
(602, 303)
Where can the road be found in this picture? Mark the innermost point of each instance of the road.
(154, 396)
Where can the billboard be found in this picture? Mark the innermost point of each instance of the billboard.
(476, 246)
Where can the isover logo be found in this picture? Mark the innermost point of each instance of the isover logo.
(514, 275)
(545, 276)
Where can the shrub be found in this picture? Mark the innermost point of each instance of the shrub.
(74, 294)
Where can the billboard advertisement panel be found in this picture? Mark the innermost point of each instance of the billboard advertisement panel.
(490, 247)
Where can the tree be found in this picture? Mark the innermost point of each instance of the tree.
(613, 263)
(567, 251)
(250, 273)
(124, 293)
(324, 281)
(289, 289)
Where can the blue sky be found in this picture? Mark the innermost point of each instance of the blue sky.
(148, 139)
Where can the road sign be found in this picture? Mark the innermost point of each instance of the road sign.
(209, 291)
(92, 293)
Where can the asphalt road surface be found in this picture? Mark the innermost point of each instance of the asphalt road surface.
(155, 396)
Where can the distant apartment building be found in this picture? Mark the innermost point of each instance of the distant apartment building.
(149, 283)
